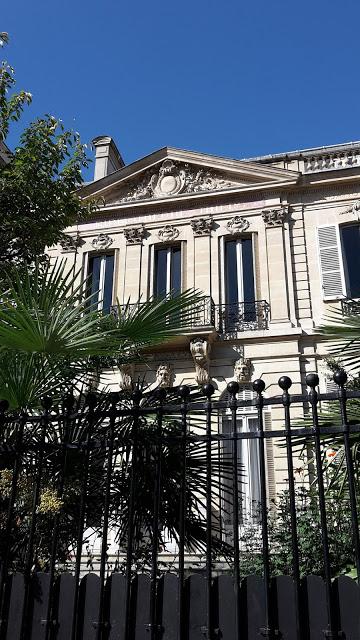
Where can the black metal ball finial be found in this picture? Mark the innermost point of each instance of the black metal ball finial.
(312, 380)
(208, 389)
(46, 402)
(340, 377)
(4, 405)
(285, 383)
(160, 394)
(258, 385)
(91, 400)
(184, 391)
(233, 387)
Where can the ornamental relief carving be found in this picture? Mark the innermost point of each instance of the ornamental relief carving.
(168, 233)
(102, 241)
(238, 224)
(200, 351)
(70, 244)
(274, 217)
(201, 226)
(172, 179)
(134, 235)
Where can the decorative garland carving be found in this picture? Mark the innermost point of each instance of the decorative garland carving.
(238, 224)
(174, 178)
(201, 226)
(168, 233)
(102, 241)
(274, 217)
(134, 235)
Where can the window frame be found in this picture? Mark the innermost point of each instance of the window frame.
(103, 255)
(239, 266)
(153, 266)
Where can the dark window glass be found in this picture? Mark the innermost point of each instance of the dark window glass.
(101, 276)
(176, 269)
(108, 283)
(231, 273)
(167, 271)
(248, 270)
(160, 272)
(351, 247)
(94, 279)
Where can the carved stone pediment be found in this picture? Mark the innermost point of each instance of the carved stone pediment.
(174, 178)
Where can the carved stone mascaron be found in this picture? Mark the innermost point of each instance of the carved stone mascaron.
(70, 243)
(174, 178)
(274, 217)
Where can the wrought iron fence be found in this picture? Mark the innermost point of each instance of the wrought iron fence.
(159, 474)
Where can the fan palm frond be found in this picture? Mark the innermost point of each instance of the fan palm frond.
(343, 333)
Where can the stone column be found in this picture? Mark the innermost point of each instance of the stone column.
(277, 265)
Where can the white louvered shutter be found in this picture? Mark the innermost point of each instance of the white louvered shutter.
(332, 276)
(270, 462)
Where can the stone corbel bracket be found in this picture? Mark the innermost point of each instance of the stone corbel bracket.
(200, 351)
(126, 372)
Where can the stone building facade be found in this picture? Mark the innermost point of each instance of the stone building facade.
(272, 242)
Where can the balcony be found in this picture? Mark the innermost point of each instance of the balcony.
(350, 306)
(226, 319)
(243, 316)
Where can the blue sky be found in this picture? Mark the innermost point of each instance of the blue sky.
(232, 78)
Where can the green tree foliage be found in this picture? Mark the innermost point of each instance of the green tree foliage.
(38, 186)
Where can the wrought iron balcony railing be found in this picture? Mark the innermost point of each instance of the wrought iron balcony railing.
(243, 316)
(350, 306)
(202, 314)
(225, 318)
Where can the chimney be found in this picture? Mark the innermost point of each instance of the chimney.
(107, 157)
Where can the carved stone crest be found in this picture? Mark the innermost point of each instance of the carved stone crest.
(134, 235)
(201, 226)
(238, 224)
(274, 217)
(242, 370)
(70, 243)
(164, 375)
(168, 233)
(126, 372)
(102, 241)
(172, 179)
(200, 351)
